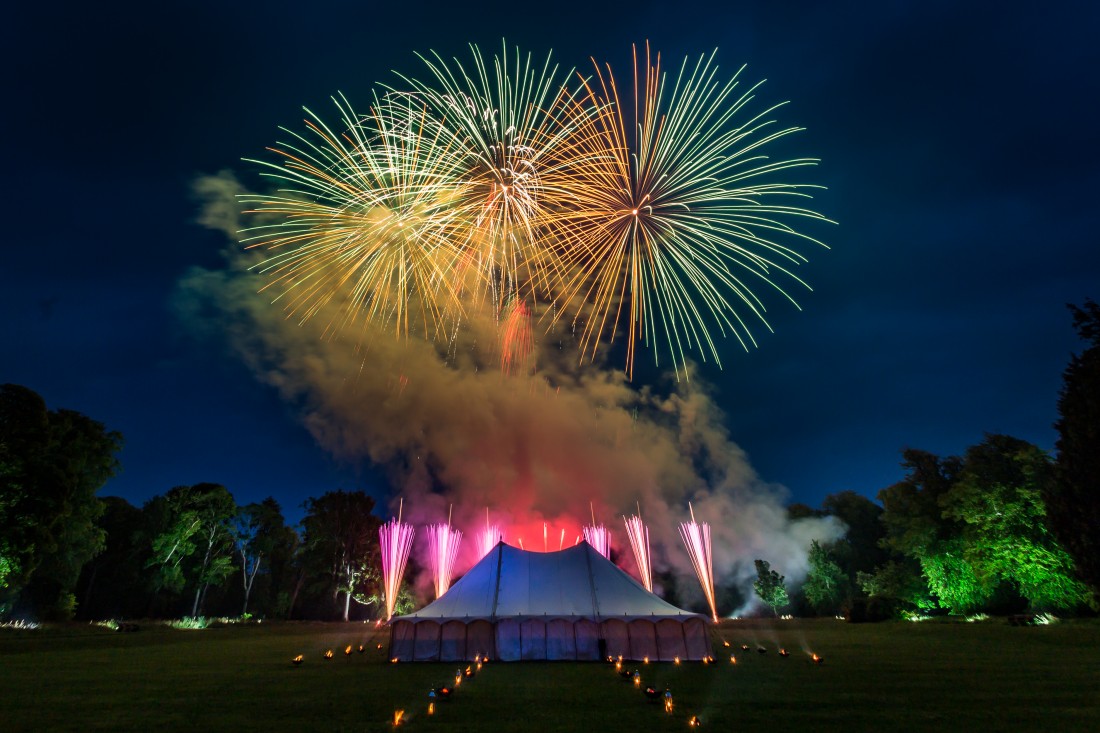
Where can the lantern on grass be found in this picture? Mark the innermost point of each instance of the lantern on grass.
(347, 650)
(744, 647)
(443, 692)
(725, 644)
(668, 701)
(816, 659)
(623, 671)
(675, 660)
(784, 653)
(458, 677)
(733, 659)
(360, 649)
(431, 702)
(469, 672)
(398, 717)
(645, 660)
(637, 678)
(394, 660)
(328, 654)
(297, 660)
(378, 647)
(694, 722)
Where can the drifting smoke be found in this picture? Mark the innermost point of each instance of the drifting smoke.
(450, 427)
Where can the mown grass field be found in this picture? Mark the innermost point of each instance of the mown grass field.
(898, 676)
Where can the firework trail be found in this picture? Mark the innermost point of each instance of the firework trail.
(639, 543)
(697, 540)
(395, 538)
(443, 544)
(599, 538)
(488, 538)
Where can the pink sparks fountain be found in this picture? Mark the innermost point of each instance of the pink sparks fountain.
(396, 539)
(639, 542)
(489, 537)
(599, 538)
(697, 539)
(597, 535)
(443, 542)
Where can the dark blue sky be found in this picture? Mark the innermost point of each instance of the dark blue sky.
(959, 147)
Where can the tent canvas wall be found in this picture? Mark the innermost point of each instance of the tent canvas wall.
(574, 604)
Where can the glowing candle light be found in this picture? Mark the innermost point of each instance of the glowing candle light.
(697, 539)
(297, 660)
(398, 716)
(328, 654)
(396, 539)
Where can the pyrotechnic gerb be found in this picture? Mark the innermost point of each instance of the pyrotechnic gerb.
(638, 534)
(395, 539)
(696, 538)
(649, 212)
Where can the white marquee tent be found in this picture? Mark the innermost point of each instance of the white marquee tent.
(574, 604)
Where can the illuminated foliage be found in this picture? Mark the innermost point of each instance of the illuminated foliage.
(769, 587)
(826, 586)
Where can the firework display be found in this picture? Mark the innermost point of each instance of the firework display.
(443, 543)
(696, 537)
(639, 543)
(501, 186)
(395, 538)
(599, 538)
(488, 538)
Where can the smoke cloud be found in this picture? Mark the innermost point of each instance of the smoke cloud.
(450, 427)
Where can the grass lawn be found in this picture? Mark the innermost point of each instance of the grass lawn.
(898, 676)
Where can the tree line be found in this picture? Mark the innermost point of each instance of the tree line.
(1000, 528)
(66, 553)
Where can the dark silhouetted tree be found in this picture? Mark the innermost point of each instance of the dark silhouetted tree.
(51, 466)
(260, 535)
(340, 540)
(1073, 499)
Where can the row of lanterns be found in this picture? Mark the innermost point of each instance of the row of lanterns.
(328, 654)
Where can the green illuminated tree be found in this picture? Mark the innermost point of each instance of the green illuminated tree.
(1073, 500)
(769, 587)
(917, 529)
(999, 497)
(195, 544)
(827, 585)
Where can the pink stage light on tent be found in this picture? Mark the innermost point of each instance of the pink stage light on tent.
(396, 540)
(697, 539)
(443, 543)
(639, 542)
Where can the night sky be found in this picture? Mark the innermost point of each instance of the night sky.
(959, 148)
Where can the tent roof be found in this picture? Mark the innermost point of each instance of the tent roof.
(574, 583)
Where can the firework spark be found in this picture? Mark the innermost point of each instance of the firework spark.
(443, 543)
(395, 538)
(599, 538)
(639, 543)
(697, 540)
(488, 538)
(499, 184)
(677, 212)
